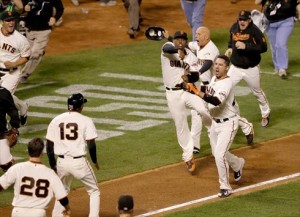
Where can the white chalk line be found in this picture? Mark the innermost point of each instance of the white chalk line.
(216, 196)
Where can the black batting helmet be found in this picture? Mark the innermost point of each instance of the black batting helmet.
(75, 101)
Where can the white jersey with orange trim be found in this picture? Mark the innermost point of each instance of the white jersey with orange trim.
(223, 90)
(208, 52)
(173, 68)
(34, 185)
(69, 132)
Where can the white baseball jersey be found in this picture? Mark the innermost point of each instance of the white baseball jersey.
(178, 100)
(34, 185)
(208, 52)
(69, 132)
(222, 89)
(172, 68)
(13, 47)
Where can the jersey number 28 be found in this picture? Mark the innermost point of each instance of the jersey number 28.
(39, 188)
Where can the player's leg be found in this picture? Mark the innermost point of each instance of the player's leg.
(40, 39)
(226, 132)
(196, 129)
(22, 108)
(178, 112)
(235, 74)
(245, 126)
(84, 172)
(197, 18)
(252, 78)
(10, 80)
(64, 165)
(6, 159)
(199, 105)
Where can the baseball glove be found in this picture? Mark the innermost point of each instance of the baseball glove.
(155, 33)
(12, 137)
(190, 87)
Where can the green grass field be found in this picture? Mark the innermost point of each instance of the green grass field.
(127, 102)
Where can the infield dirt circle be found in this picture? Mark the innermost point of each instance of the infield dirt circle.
(170, 185)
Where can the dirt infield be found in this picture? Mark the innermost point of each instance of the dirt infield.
(163, 187)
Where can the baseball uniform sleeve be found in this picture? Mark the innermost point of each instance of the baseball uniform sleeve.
(91, 131)
(8, 178)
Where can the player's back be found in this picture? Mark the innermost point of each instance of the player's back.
(34, 185)
(69, 132)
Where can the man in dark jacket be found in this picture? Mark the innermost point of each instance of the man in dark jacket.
(245, 46)
(39, 20)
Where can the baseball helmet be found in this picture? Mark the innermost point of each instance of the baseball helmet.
(154, 33)
(75, 101)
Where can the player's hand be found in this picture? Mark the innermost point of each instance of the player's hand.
(96, 166)
(9, 65)
(27, 8)
(52, 21)
(166, 34)
(228, 52)
(240, 45)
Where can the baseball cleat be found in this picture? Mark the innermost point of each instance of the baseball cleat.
(132, 33)
(190, 165)
(224, 193)
(238, 174)
(23, 119)
(265, 121)
(196, 150)
(250, 136)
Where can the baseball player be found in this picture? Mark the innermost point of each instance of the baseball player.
(68, 134)
(207, 52)
(220, 98)
(7, 107)
(14, 53)
(34, 185)
(245, 46)
(176, 60)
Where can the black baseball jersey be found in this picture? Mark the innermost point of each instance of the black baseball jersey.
(255, 45)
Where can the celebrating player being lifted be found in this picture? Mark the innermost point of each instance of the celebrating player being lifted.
(176, 61)
(67, 136)
(220, 97)
(34, 185)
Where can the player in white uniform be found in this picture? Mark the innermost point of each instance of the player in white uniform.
(14, 53)
(220, 97)
(207, 52)
(175, 61)
(34, 185)
(67, 136)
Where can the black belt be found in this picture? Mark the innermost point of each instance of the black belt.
(205, 82)
(7, 70)
(174, 88)
(62, 156)
(221, 120)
